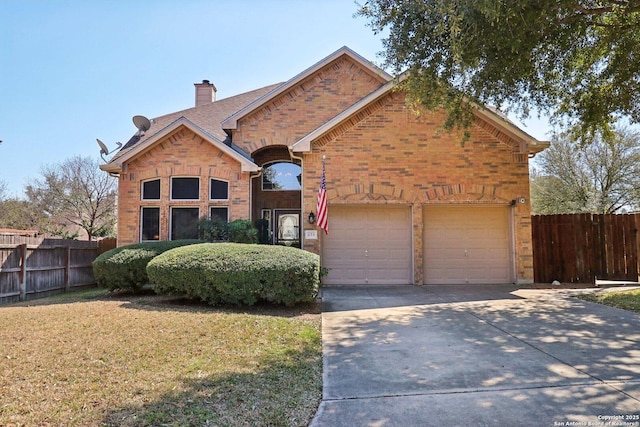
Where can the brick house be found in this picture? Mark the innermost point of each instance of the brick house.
(408, 203)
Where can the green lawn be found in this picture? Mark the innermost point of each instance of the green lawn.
(627, 300)
(90, 359)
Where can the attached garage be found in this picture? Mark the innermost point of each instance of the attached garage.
(467, 245)
(368, 245)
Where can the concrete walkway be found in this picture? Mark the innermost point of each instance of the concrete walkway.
(476, 356)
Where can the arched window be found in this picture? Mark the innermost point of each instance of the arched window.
(281, 177)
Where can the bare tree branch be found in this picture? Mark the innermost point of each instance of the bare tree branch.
(74, 195)
(602, 177)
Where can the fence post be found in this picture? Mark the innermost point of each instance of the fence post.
(23, 272)
(67, 266)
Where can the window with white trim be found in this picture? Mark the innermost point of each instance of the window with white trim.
(185, 188)
(219, 213)
(151, 189)
(184, 223)
(149, 224)
(218, 189)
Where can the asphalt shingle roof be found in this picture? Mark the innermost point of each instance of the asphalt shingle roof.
(207, 116)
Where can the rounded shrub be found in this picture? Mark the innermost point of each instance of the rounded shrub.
(126, 267)
(236, 273)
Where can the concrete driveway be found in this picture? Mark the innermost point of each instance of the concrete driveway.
(476, 356)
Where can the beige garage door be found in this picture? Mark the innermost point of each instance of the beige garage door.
(368, 245)
(467, 245)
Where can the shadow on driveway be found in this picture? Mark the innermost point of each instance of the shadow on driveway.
(364, 297)
(475, 355)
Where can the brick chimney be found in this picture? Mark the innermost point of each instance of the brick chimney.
(205, 92)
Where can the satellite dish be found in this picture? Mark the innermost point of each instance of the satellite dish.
(104, 151)
(142, 123)
(103, 148)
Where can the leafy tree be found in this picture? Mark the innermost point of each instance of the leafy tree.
(74, 195)
(15, 213)
(578, 60)
(269, 178)
(18, 214)
(602, 177)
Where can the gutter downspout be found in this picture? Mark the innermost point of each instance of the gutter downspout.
(302, 213)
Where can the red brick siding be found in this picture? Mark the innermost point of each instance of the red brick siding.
(394, 156)
(312, 102)
(182, 153)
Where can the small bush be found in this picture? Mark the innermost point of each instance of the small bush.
(217, 230)
(213, 230)
(126, 267)
(242, 231)
(233, 273)
(262, 225)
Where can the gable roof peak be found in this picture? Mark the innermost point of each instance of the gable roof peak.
(247, 165)
(232, 121)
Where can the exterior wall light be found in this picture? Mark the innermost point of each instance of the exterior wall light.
(312, 217)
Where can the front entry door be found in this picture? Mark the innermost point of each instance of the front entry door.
(287, 228)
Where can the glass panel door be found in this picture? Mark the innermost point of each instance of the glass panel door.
(288, 228)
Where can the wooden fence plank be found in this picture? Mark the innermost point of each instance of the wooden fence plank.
(23, 271)
(556, 250)
(582, 247)
(39, 267)
(631, 255)
(106, 244)
(590, 247)
(636, 232)
(611, 245)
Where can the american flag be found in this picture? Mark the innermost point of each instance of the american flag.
(322, 203)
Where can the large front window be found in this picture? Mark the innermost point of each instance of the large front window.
(184, 223)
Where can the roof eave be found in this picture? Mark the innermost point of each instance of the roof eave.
(534, 145)
(112, 167)
(246, 165)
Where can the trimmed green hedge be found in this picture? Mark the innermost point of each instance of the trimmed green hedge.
(239, 274)
(126, 267)
(217, 230)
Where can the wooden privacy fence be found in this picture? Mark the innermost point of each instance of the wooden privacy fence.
(35, 267)
(579, 248)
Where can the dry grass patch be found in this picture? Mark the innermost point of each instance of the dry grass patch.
(90, 359)
(626, 300)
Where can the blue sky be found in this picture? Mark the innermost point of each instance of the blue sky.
(72, 71)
